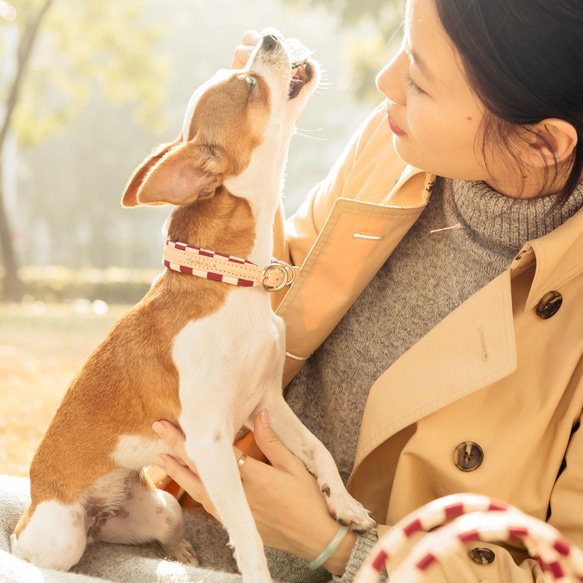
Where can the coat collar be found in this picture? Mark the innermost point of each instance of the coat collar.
(480, 334)
(558, 257)
(340, 264)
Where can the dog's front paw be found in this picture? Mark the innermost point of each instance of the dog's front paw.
(348, 511)
(182, 552)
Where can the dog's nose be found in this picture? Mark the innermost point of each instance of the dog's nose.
(270, 41)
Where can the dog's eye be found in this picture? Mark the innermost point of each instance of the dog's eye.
(251, 82)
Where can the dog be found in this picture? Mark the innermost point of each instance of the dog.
(202, 349)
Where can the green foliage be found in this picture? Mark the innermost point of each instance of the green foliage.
(83, 43)
(55, 284)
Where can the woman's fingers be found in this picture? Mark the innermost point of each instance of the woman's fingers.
(170, 434)
(186, 477)
(271, 446)
(183, 475)
(174, 438)
(187, 480)
(244, 50)
(251, 38)
(267, 441)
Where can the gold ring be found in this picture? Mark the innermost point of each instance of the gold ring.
(241, 461)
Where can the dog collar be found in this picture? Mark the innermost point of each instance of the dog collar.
(226, 268)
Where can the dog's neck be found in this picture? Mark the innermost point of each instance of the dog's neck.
(226, 224)
(261, 184)
(238, 218)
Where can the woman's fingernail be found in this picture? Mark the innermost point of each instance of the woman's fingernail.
(264, 417)
(159, 428)
(160, 462)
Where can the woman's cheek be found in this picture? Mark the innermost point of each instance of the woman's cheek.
(414, 142)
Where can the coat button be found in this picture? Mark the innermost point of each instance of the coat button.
(468, 456)
(520, 256)
(549, 305)
(482, 555)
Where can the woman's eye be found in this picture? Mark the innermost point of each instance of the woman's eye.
(412, 85)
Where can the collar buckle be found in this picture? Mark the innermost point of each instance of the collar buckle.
(276, 276)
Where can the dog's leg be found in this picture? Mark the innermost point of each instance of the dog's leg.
(212, 451)
(318, 460)
(54, 536)
(146, 514)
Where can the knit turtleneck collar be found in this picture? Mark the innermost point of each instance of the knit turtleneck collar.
(506, 221)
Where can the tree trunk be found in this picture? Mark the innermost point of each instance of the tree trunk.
(13, 288)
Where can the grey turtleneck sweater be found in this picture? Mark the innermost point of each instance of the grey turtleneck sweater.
(433, 270)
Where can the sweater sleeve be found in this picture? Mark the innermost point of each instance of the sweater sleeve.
(362, 547)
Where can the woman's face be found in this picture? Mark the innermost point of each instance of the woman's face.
(434, 115)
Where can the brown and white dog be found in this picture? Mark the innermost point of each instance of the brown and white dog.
(205, 354)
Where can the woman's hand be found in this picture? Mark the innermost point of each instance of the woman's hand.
(185, 476)
(287, 505)
(244, 50)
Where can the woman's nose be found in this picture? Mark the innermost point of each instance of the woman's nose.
(390, 80)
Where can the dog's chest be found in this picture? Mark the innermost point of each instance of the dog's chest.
(239, 346)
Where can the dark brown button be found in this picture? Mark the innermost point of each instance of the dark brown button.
(468, 456)
(549, 305)
(482, 555)
(520, 256)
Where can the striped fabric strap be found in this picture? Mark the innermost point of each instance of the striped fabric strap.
(463, 519)
(227, 268)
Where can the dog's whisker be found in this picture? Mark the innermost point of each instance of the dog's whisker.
(326, 83)
(308, 137)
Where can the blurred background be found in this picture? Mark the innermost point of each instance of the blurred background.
(87, 89)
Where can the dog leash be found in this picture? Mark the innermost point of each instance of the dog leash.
(227, 268)
(452, 522)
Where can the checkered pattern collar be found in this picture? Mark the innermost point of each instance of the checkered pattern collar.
(226, 268)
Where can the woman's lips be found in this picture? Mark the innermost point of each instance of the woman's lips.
(394, 127)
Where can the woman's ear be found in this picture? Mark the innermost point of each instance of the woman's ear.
(550, 142)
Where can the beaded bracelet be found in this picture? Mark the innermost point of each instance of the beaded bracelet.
(332, 546)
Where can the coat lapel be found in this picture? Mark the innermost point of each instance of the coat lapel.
(355, 241)
(472, 347)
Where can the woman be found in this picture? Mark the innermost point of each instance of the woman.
(439, 321)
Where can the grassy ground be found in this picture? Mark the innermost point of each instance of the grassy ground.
(41, 349)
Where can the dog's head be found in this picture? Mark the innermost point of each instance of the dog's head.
(237, 127)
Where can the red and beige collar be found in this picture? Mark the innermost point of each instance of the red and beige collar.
(226, 268)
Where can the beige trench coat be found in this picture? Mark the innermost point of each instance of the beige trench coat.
(492, 373)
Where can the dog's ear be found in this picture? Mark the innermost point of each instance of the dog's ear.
(177, 174)
(130, 194)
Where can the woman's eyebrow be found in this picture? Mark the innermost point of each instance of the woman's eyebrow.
(420, 64)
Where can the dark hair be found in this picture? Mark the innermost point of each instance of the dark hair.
(524, 60)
